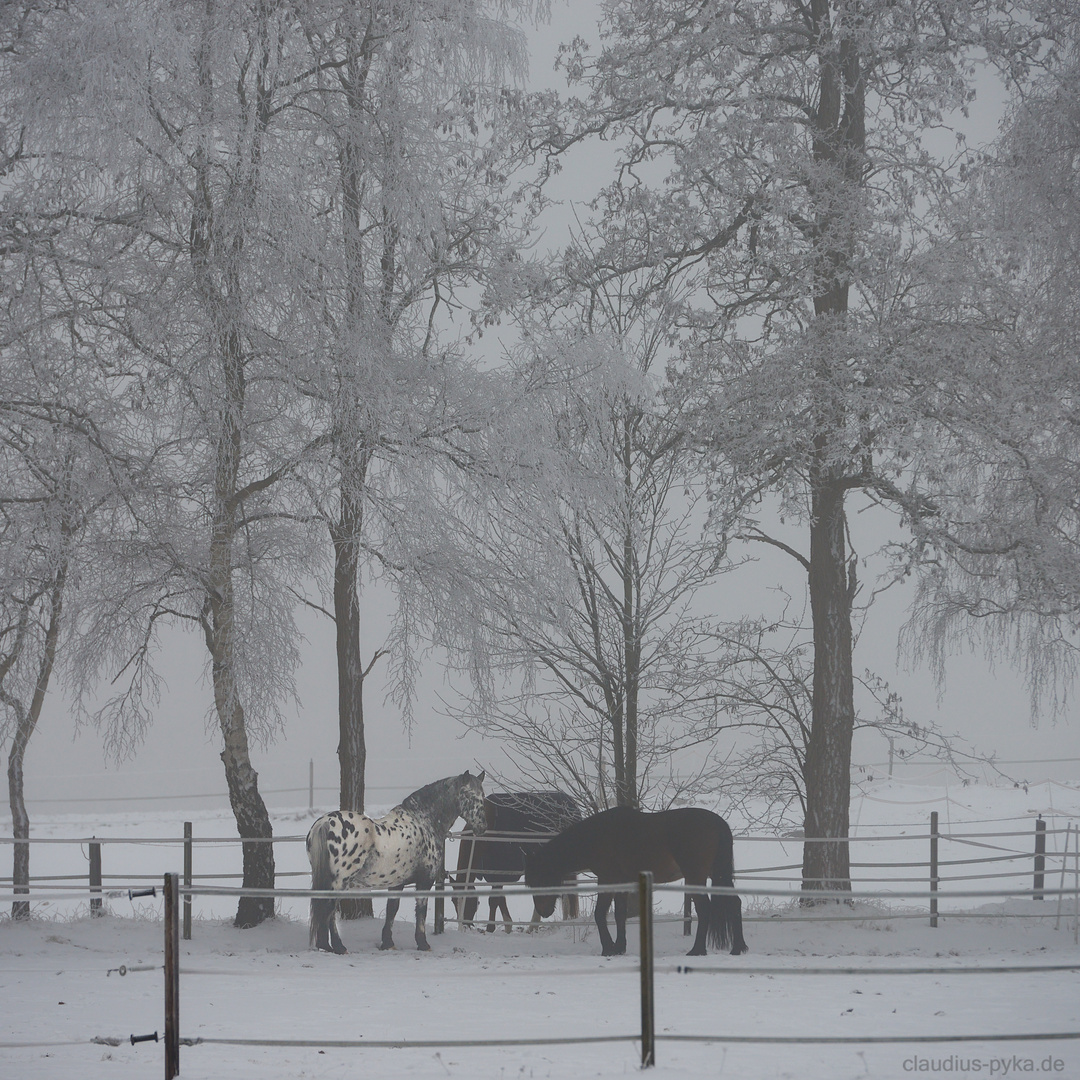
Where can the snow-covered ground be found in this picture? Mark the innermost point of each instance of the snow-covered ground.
(59, 986)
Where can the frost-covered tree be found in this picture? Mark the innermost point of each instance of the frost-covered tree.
(410, 200)
(173, 168)
(777, 152)
(1002, 555)
(592, 553)
(66, 472)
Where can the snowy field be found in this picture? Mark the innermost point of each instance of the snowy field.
(58, 983)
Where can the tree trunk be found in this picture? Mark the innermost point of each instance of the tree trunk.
(839, 154)
(26, 722)
(215, 254)
(252, 819)
(20, 823)
(352, 750)
(252, 823)
(827, 771)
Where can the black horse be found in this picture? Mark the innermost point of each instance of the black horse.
(618, 844)
(499, 858)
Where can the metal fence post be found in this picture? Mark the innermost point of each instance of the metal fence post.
(1040, 858)
(933, 867)
(172, 976)
(187, 880)
(95, 878)
(648, 1010)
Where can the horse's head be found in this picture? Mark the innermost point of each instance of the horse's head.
(471, 801)
(538, 875)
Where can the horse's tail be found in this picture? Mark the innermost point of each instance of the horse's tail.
(725, 910)
(322, 877)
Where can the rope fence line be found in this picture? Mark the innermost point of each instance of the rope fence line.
(648, 1039)
(173, 892)
(756, 874)
(812, 896)
(514, 838)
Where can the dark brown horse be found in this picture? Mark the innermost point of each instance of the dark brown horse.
(618, 844)
(499, 856)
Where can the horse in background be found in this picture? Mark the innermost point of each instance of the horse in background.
(618, 844)
(499, 858)
(406, 847)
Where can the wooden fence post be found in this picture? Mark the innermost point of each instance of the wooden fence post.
(95, 878)
(187, 880)
(172, 976)
(648, 1010)
(933, 867)
(1040, 858)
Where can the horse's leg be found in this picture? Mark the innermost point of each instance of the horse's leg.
(621, 903)
(335, 939)
(461, 893)
(392, 906)
(494, 899)
(703, 907)
(471, 904)
(534, 922)
(603, 902)
(502, 905)
(320, 925)
(423, 884)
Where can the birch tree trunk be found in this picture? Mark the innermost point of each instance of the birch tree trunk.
(26, 719)
(215, 253)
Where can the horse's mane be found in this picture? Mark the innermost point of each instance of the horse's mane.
(438, 797)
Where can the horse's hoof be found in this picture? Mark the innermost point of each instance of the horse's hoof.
(697, 952)
(384, 946)
(340, 950)
(423, 946)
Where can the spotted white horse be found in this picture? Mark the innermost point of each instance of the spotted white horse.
(406, 847)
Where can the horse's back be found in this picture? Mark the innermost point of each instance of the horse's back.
(379, 852)
(502, 861)
(671, 844)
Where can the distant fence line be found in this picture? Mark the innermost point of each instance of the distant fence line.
(311, 788)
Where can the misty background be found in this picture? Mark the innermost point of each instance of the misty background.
(67, 770)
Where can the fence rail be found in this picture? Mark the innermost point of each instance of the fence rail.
(648, 1037)
(1004, 863)
(176, 893)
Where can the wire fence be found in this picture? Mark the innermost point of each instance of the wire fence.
(647, 1036)
(931, 868)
